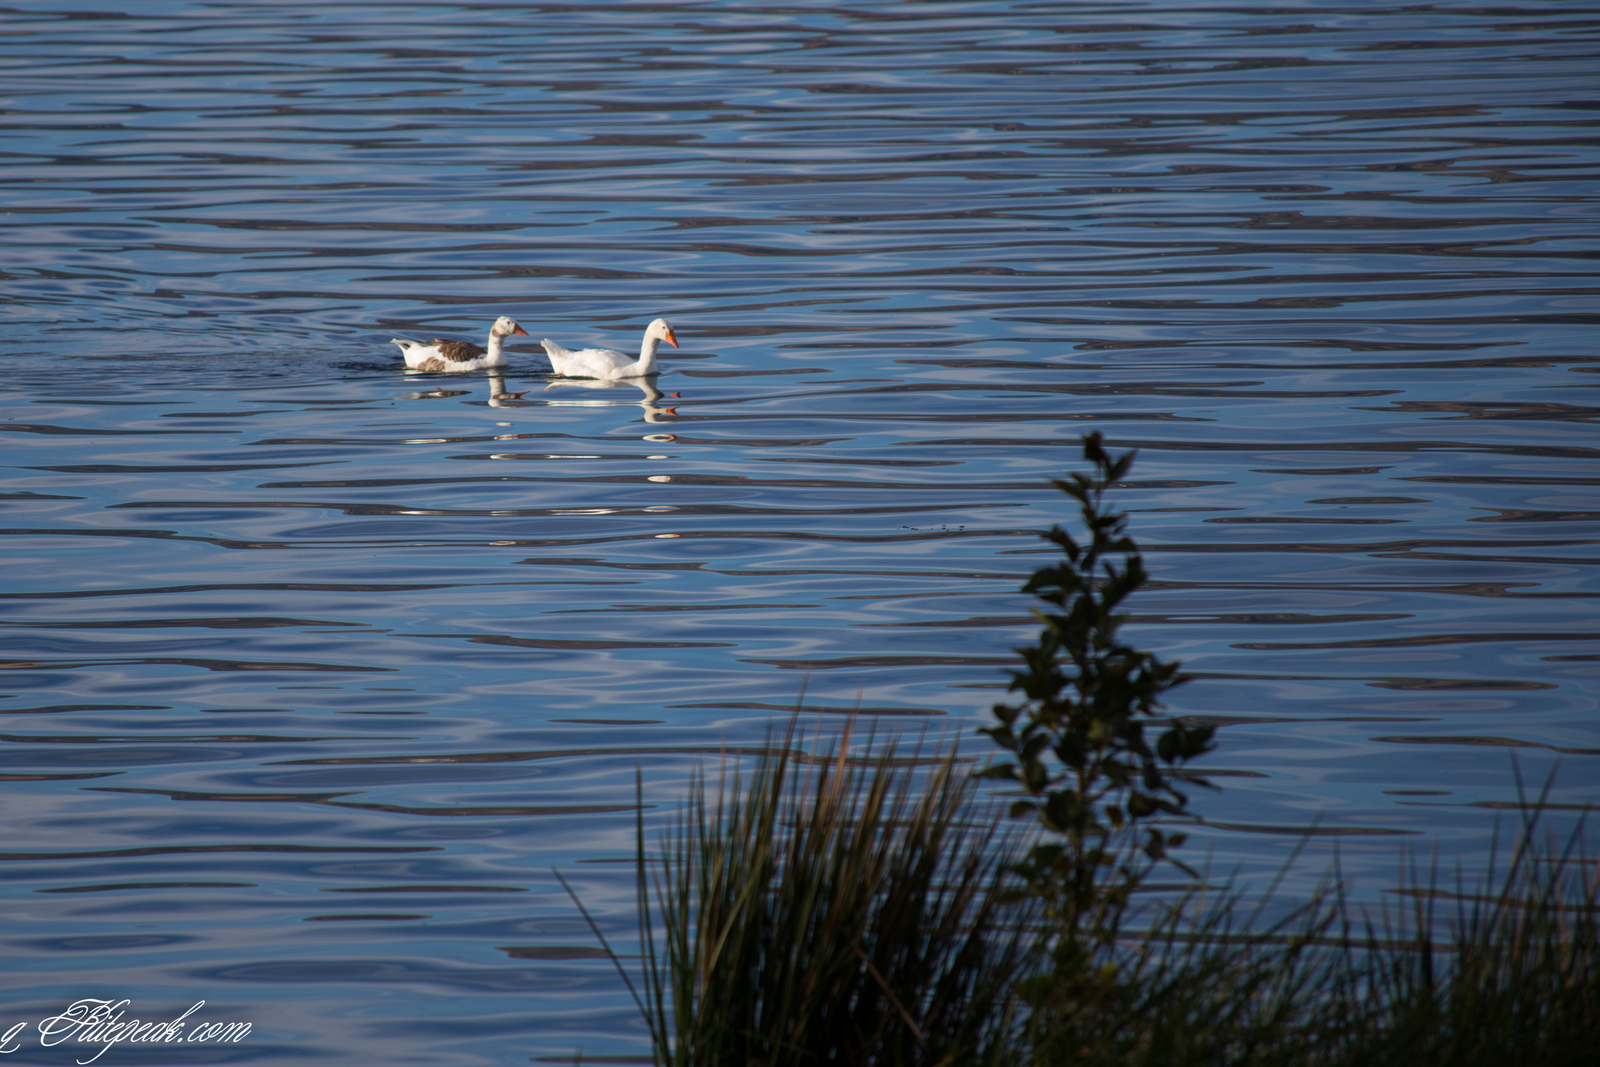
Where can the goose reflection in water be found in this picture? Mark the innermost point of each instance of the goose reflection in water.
(435, 394)
(498, 396)
(646, 385)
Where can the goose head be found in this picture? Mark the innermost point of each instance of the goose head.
(505, 326)
(661, 330)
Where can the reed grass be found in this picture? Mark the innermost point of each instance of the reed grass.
(1509, 975)
(829, 911)
(1514, 978)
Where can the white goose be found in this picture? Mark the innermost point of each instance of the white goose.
(608, 364)
(441, 355)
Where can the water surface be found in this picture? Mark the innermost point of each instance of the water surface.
(314, 669)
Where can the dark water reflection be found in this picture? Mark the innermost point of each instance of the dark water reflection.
(315, 668)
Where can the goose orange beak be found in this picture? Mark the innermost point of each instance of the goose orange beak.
(671, 340)
(519, 330)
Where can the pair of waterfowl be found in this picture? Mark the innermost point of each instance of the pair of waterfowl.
(605, 363)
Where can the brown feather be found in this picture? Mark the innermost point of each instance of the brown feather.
(458, 351)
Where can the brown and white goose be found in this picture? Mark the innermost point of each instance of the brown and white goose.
(441, 355)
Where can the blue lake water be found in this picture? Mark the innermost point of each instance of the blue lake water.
(314, 669)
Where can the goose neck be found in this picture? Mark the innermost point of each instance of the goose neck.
(647, 353)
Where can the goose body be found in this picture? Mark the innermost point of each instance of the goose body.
(607, 364)
(441, 355)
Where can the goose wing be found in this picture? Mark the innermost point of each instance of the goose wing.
(587, 362)
(457, 351)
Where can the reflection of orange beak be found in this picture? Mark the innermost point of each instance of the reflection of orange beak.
(518, 330)
(671, 340)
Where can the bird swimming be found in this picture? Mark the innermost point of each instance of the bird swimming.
(441, 355)
(606, 363)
